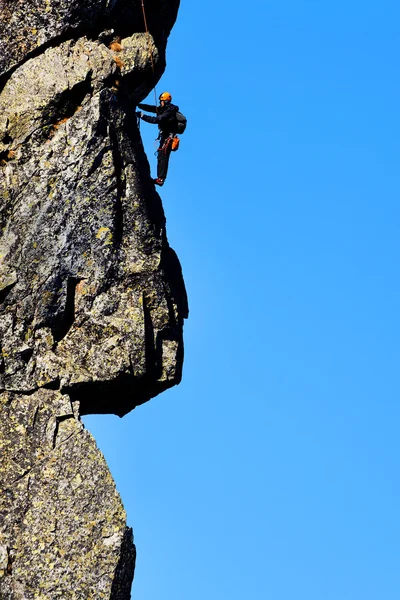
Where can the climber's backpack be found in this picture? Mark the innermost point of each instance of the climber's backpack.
(182, 121)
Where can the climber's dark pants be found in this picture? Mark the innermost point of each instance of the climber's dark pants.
(164, 153)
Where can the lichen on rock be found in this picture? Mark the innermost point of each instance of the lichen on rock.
(63, 536)
(92, 299)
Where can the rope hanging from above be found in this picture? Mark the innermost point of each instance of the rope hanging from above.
(150, 49)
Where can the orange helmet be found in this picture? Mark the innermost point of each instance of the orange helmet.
(166, 97)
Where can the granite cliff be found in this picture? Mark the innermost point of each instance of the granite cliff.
(92, 299)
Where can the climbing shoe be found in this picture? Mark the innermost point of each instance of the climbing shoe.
(158, 181)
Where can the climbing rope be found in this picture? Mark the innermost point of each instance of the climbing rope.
(150, 49)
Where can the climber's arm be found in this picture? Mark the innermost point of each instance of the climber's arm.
(148, 107)
(165, 116)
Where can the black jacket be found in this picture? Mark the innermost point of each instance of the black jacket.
(165, 119)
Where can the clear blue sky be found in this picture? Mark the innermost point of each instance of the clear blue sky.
(272, 471)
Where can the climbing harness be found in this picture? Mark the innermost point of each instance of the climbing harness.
(164, 148)
(150, 49)
(172, 141)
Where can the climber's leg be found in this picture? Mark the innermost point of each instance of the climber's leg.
(163, 159)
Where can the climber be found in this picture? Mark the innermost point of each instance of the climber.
(168, 124)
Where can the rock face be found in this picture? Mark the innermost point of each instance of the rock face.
(66, 531)
(92, 299)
